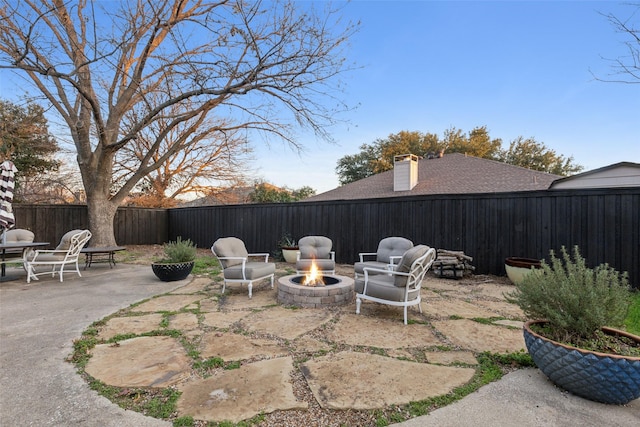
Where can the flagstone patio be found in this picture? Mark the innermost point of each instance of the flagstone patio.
(308, 361)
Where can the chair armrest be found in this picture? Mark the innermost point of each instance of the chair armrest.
(362, 255)
(260, 255)
(333, 255)
(394, 259)
(383, 271)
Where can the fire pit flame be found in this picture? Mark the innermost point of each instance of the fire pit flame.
(313, 278)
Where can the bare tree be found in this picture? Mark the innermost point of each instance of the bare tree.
(52, 187)
(627, 67)
(268, 67)
(206, 157)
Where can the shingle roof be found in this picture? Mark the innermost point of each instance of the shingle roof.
(451, 174)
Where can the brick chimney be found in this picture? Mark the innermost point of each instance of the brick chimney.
(405, 172)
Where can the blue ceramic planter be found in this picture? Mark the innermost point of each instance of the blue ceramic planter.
(600, 377)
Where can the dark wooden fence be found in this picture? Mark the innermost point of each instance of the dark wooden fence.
(132, 226)
(605, 224)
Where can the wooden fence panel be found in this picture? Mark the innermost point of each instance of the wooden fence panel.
(132, 226)
(604, 223)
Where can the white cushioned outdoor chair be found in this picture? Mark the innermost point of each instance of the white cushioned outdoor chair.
(17, 235)
(66, 253)
(399, 287)
(236, 266)
(315, 249)
(390, 251)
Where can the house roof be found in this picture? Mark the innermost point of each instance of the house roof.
(453, 173)
(620, 174)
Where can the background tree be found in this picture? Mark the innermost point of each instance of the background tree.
(61, 186)
(268, 67)
(266, 193)
(478, 143)
(354, 167)
(25, 140)
(378, 156)
(206, 156)
(531, 154)
(404, 142)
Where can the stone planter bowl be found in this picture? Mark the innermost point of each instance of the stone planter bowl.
(290, 254)
(172, 272)
(518, 268)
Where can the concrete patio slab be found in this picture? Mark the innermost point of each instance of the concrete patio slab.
(38, 324)
(526, 398)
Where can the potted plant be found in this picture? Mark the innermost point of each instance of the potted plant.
(289, 248)
(572, 337)
(177, 262)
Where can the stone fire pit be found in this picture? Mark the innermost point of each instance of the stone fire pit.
(291, 293)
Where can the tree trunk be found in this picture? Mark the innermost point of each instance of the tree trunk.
(102, 213)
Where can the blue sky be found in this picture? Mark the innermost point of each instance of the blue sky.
(521, 68)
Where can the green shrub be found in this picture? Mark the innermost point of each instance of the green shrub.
(575, 300)
(179, 251)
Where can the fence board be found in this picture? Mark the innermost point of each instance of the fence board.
(604, 223)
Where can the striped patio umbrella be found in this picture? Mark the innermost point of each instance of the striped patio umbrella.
(7, 174)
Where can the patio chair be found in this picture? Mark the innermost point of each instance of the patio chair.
(399, 287)
(390, 251)
(316, 249)
(17, 235)
(66, 253)
(236, 266)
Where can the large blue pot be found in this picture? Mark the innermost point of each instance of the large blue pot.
(600, 377)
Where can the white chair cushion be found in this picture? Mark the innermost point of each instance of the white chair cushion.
(392, 246)
(383, 287)
(230, 247)
(252, 271)
(318, 247)
(65, 242)
(19, 235)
